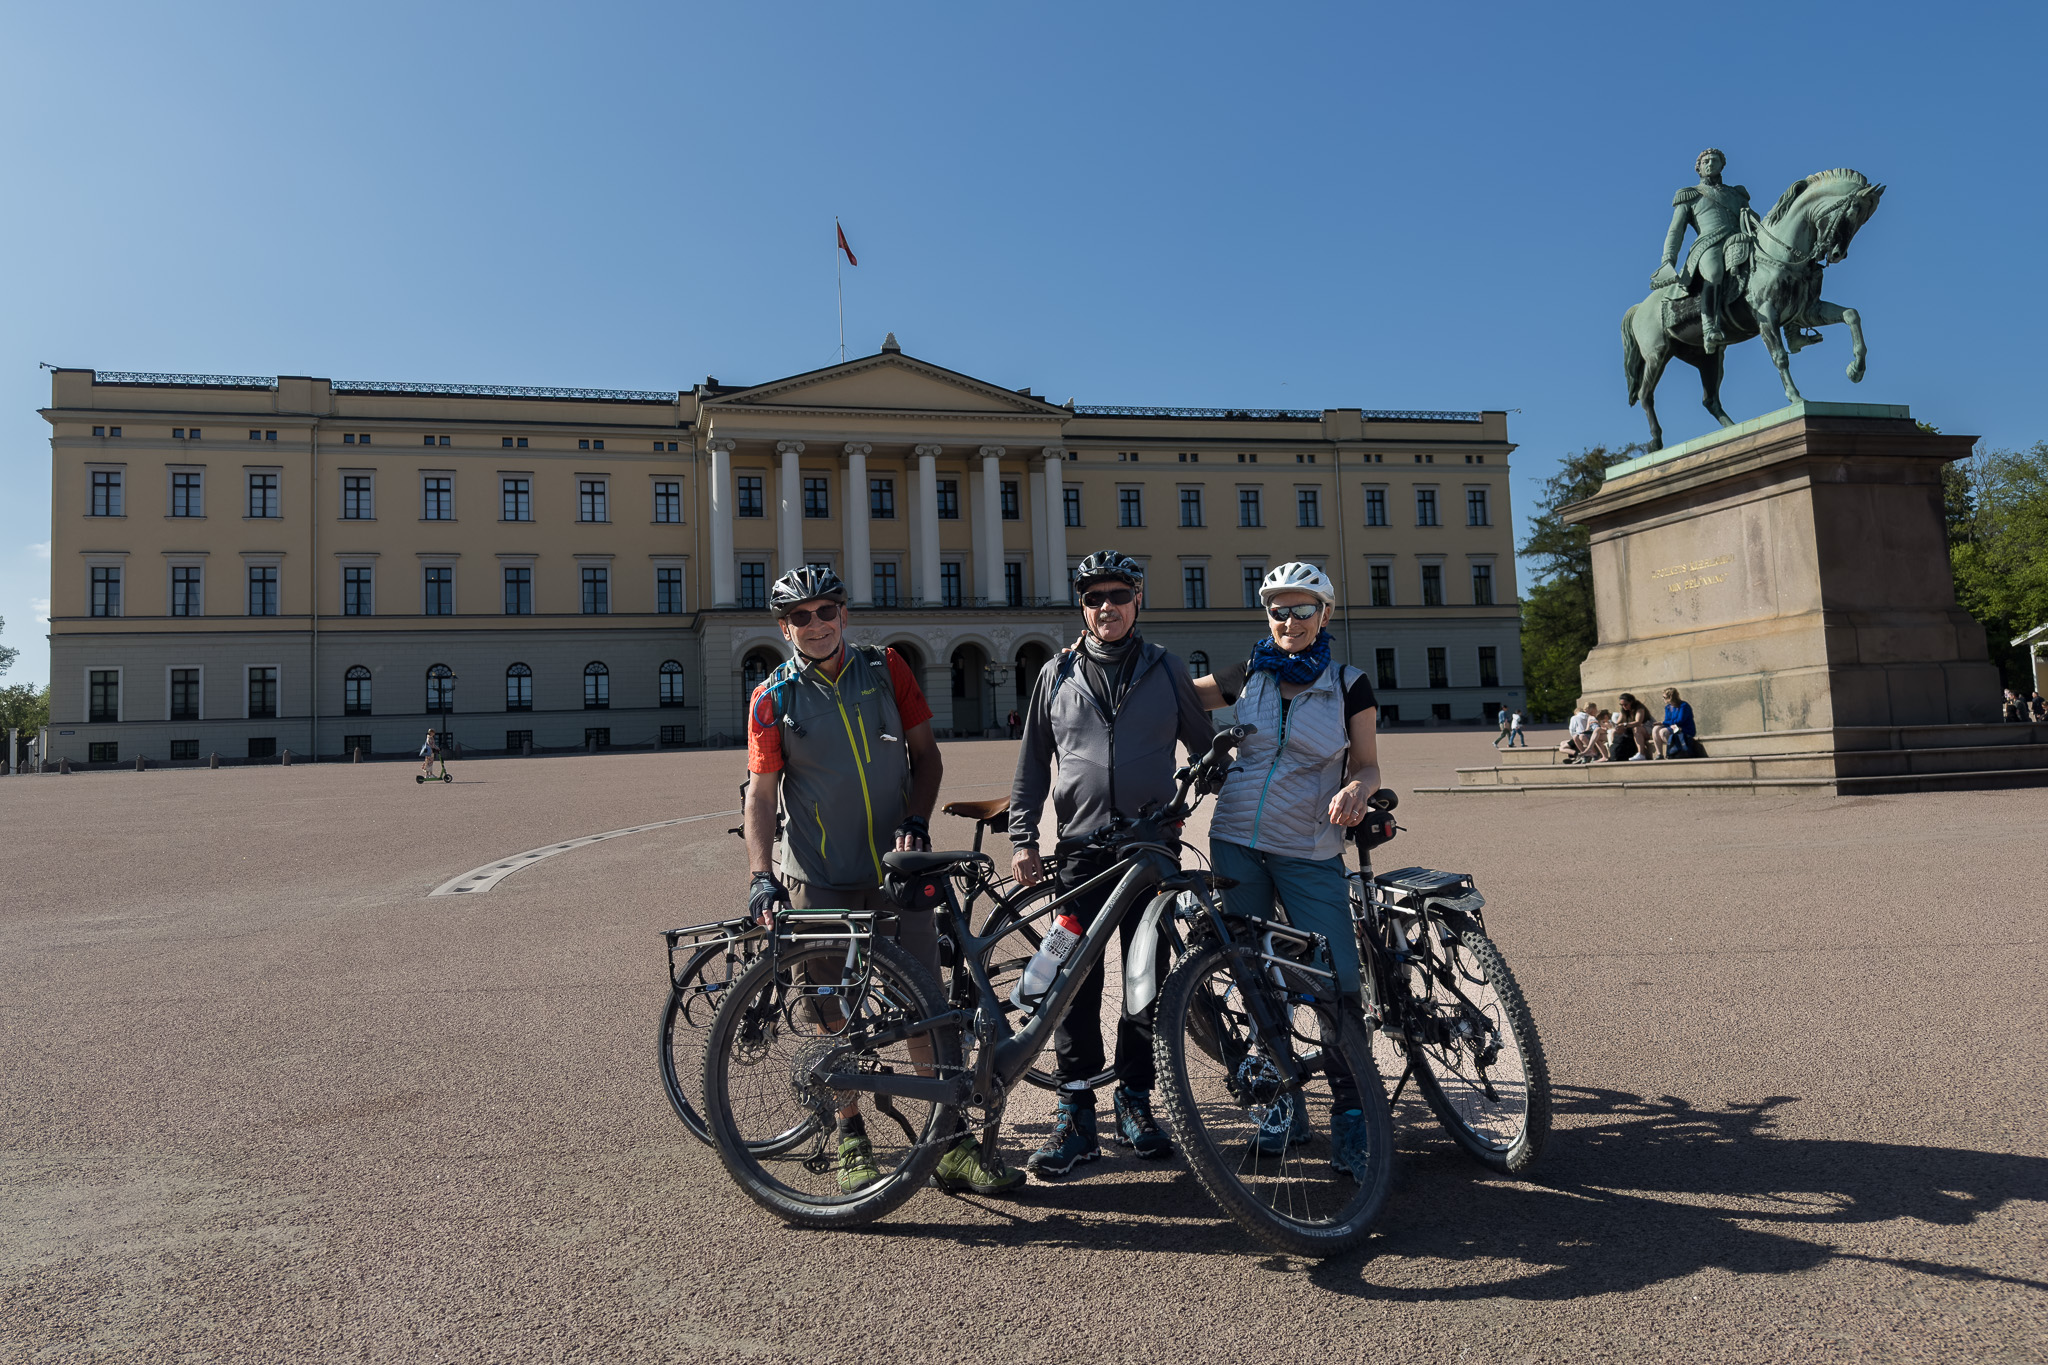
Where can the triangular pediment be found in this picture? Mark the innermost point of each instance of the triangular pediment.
(889, 382)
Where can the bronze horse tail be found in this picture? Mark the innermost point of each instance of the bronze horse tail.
(1631, 356)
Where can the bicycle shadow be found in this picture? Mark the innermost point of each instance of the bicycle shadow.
(1654, 1189)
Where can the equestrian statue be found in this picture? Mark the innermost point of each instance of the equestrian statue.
(1745, 276)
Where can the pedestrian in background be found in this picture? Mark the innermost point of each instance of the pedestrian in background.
(1504, 722)
(1515, 731)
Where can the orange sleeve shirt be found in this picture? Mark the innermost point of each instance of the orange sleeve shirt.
(764, 735)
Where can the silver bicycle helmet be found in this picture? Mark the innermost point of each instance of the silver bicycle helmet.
(805, 583)
(1109, 564)
(1296, 576)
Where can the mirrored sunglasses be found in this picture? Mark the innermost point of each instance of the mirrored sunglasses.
(1114, 597)
(1300, 611)
(801, 618)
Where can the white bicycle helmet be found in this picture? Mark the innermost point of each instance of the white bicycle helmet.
(1296, 576)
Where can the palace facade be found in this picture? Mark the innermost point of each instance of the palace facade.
(244, 565)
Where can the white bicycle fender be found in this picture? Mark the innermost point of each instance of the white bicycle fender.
(1141, 965)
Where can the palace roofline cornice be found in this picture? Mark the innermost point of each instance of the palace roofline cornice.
(1019, 404)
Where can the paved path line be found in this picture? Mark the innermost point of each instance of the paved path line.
(487, 877)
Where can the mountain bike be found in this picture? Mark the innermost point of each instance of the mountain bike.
(1446, 1010)
(1249, 1030)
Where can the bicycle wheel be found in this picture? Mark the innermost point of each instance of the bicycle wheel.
(1231, 1118)
(775, 1129)
(693, 1000)
(1479, 1063)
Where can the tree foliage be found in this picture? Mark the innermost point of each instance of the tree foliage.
(7, 655)
(1996, 506)
(23, 707)
(1558, 627)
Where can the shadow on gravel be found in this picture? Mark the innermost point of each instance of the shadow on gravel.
(1652, 1189)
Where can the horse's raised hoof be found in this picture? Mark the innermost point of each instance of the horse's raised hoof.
(1856, 373)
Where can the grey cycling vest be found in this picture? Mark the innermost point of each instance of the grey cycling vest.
(1280, 803)
(845, 769)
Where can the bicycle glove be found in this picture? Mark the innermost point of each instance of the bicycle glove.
(919, 830)
(764, 895)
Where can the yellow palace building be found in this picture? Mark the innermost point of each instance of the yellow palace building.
(246, 564)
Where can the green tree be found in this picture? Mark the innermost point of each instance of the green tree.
(1558, 627)
(7, 655)
(23, 707)
(1996, 507)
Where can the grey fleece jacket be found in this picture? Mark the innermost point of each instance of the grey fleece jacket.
(1109, 764)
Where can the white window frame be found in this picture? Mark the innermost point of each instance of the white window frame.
(357, 561)
(1436, 497)
(611, 585)
(1180, 490)
(1423, 562)
(171, 473)
(519, 561)
(1366, 491)
(1487, 489)
(245, 691)
(604, 492)
(654, 492)
(106, 467)
(1393, 580)
(1316, 489)
(341, 506)
(120, 673)
(1208, 585)
(250, 471)
(185, 560)
(426, 474)
(1257, 564)
(262, 561)
(1493, 572)
(506, 476)
(894, 559)
(681, 564)
(1122, 489)
(1241, 489)
(106, 561)
(179, 668)
(439, 561)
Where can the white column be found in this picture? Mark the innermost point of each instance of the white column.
(789, 509)
(722, 594)
(1041, 580)
(928, 526)
(1055, 523)
(977, 536)
(859, 573)
(990, 543)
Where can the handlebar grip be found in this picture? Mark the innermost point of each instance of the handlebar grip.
(1227, 739)
(1383, 799)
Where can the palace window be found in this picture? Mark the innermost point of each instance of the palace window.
(1382, 585)
(519, 688)
(263, 495)
(263, 591)
(440, 688)
(518, 591)
(668, 501)
(949, 499)
(1482, 585)
(1425, 507)
(1194, 586)
(516, 496)
(1191, 507)
(263, 693)
(817, 497)
(438, 598)
(753, 583)
(355, 498)
(356, 588)
(1439, 671)
(885, 584)
(1489, 666)
(185, 494)
(185, 590)
(185, 694)
(949, 585)
(1308, 509)
(1389, 680)
(437, 496)
(597, 687)
(1071, 498)
(671, 678)
(1375, 507)
(355, 691)
(1248, 507)
(1432, 585)
(748, 490)
(590, 500)
(106, 592)
(1130, 507)
(1011, 512)
(882, 499)
(597, 590)
(1198, 664)
(104, 702)
(1475, 507)
(1253, 575)
(1013, 583)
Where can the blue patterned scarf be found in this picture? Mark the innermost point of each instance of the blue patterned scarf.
(1304, 667)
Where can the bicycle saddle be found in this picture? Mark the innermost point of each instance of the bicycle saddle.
(921, 864)
(981, 812)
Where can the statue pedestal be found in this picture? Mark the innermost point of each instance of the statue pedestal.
(1789, 574)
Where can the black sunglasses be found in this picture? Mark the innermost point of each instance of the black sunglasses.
(1114, 597)
(801, 618)
(1300, 611)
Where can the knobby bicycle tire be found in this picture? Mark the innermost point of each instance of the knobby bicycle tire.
(685, 1023)
(755, 1058)
(1505, 1132)
(1218, 1099)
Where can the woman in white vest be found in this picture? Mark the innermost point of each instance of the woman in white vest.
(1278, 827)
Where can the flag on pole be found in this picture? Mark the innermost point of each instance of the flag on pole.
(851, 259)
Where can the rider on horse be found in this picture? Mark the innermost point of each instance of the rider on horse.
(1714, 211)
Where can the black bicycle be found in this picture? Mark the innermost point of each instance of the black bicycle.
(1446, 1010)
(1249, 1033)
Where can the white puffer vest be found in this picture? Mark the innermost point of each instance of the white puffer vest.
(1280, 803)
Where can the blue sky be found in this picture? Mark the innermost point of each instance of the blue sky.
(1299, 206)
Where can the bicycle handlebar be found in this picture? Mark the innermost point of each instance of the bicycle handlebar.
(1204, 776)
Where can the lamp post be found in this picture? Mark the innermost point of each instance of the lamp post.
(444, 679)
(995, 675)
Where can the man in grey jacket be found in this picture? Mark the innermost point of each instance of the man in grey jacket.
(1106, 712)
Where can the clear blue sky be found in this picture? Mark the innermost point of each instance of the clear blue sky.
(1298, 206)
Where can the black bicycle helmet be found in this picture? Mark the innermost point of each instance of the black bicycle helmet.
(1109, 564)
(805, 583)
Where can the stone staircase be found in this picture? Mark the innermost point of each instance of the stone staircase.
(1846, 760)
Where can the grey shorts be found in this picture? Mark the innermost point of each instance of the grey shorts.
(916, 932)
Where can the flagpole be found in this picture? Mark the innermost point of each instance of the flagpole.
(839, 278)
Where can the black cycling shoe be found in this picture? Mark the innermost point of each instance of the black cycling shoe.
(1073, 1141)
(1135, 1126)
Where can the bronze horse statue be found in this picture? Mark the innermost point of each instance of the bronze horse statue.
(1778, 298)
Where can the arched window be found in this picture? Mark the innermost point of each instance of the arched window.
(597, 687)
(440, 688)
(519, 688)
(755, 671)
(671, 683)
(1198, 664)
(355, 692)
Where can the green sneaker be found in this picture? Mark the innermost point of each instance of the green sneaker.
(857, 1169)
(963, 1169)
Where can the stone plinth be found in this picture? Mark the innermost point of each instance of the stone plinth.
(1787, 574)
